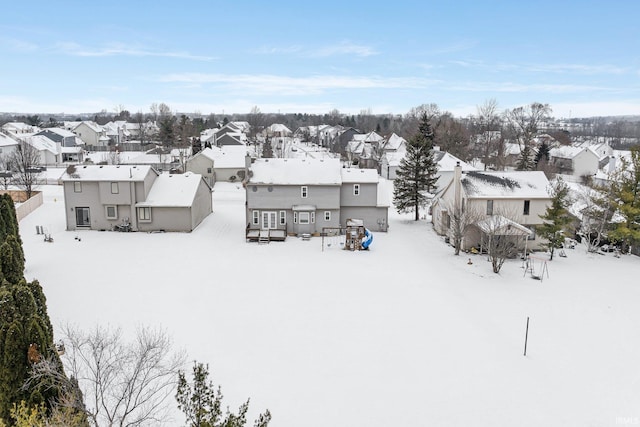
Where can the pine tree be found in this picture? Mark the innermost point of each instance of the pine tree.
(542, 154)
(417, 173)
(201, 403)
(625, 192)
(525, 161)
(556, 218)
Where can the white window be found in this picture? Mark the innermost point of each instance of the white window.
(283, 217)
(356, 189)
(304, 191)
(327, 215)
(304, 217)
(256, 217)
(77, 187)
(111, 212)
(144, 214)
(295, 217)
(114, 188)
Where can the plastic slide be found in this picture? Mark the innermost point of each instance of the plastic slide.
(367, 239)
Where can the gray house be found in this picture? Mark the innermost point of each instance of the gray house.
(303, 196)
(133, 198)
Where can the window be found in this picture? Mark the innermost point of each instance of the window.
(209, 170)
(295, 217)
(256, 217)
(489, 207)
(303, 217)
(144, 214)
(527, 205)
(531, 236)
(114, 188)
(111, 212)
(313, 217)
(304, 191)
(356, 189)
(327, 215)
(77, 187)
(283, 217)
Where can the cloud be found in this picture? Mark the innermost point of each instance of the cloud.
(519, 87)
(18, 45)
(285, 85)
(584, 69)
(343, 48)
(74, 49)
(283, 50)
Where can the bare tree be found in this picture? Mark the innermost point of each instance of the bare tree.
(123, 383)
(524, 122)
(501, 238)
(489, 133)
(462, 219)
(25, 163)
(142, 127)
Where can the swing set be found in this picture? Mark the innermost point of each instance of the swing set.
(536, 266)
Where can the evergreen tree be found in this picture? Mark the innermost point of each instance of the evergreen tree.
(525, 161)
(416, 175)
(542, 154)
(556, 218)
(267, 150)
(625, 193)
(201, 403)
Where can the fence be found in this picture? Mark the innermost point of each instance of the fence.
(24, 207)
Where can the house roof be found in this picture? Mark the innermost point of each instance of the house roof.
(42, 143)
(394, 142)
(62, 132)
(502, 226)
(354, 175)
(173, 190)
(108, 173)
(278, 127)
(6, 141)
(91, 125)
(304, 171)
(569, 152)
(501, 185)
(446, 161)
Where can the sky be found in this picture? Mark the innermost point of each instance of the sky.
(580, 57)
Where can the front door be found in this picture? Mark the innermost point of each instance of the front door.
(82, 217)
(269, 220)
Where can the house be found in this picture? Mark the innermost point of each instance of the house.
(574, 161)
(135, 198)
(92, 134)
(490, 198)
(341, 140)
(71, 146)
(226, 163)
(8, 145)
(50, 152)
(19, 129)
(304, 196)
(117, 132)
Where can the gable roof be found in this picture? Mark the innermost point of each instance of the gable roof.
(354, 175)
(569, 152)
(173, 190)
(501, 185)
(109, 173)
(7, 141)
(304, 171)
(42, 143)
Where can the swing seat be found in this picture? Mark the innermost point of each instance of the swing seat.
(535, 277)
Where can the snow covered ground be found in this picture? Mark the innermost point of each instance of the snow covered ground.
(405, 334)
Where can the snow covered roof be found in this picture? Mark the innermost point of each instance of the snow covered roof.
(514, 184)
(108, 173)
(149, 159)
(354, 175)
(62, 132)
(446, 162)
(173, 190)
(502, 226)
(91, 125)
(304, 171)
(277, 127)
(7, 141)
(394, 142)
(42, 143)
(568, 152)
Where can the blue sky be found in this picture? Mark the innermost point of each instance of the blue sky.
(581, 57)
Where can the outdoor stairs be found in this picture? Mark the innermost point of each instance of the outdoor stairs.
(264, 237)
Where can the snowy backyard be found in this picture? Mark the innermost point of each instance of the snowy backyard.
(405, 334)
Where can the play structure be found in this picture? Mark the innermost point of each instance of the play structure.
(536, 266)
(357, 236)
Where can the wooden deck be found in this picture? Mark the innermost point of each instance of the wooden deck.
(265, 236)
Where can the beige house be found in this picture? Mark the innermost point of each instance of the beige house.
(91, 133)
(514, 199)
(133, 198)
(226, 163)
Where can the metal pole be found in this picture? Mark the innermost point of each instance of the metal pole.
(526, 337)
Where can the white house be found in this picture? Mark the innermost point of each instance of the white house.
(574, 161)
